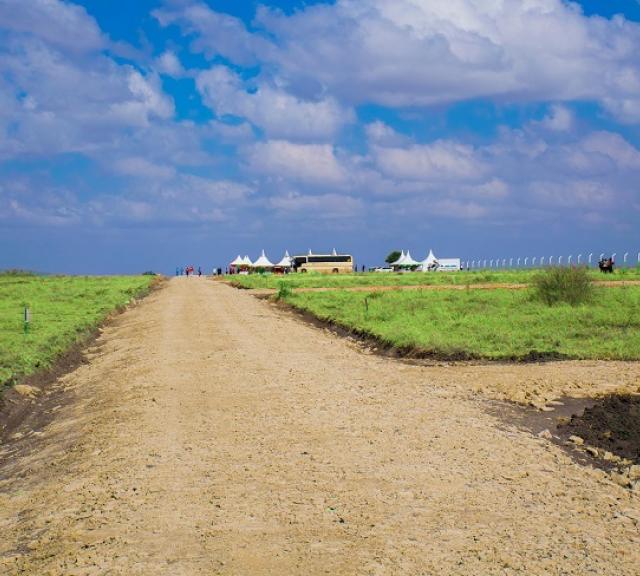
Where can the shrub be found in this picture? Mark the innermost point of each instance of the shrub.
(570, 285)
(284, 291)
(16, 272)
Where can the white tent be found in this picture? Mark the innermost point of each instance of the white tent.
(285, 262)
(246, 261)
(407, 261)
(263, 262)
(399, 260)
(429, 261)
(237, 261)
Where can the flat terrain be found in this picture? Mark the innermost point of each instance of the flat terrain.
(210, 433)
(485, 278)
(496, 324)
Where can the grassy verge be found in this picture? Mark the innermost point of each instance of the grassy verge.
(310, 280)
(64, 310)
(492, 324)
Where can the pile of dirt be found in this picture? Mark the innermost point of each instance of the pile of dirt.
(613, 424)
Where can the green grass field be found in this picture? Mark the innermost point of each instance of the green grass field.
(311, 280)
(487, 324)
(64, 310)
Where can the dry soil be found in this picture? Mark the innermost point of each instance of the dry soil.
(210, 433)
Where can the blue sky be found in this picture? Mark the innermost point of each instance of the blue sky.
(149, 134)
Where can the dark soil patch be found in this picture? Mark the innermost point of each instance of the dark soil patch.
(537, 422)
(611, 423)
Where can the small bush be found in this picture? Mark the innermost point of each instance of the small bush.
(16, 272)
(570, 285)
(284, 291)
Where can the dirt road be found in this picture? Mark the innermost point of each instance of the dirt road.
(211, 434)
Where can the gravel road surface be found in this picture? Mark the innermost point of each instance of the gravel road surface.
(210, 433)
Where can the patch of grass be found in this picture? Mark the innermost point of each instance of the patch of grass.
(488, 324)
(63, 311)
(570, 285)
(284, 291)
(311, 280)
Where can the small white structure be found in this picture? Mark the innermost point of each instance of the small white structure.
(406, 262)
(285, 262)
(263, 262)
(429, 263)
(449, 265)
(237, 262)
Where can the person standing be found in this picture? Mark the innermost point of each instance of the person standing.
(199, 271)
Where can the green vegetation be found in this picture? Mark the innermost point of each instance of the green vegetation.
(570, 285)
(310, 280)
(284, 291)
(487, 324)
(63, 311)
(393, 256)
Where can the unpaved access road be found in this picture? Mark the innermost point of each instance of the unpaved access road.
(210, 433)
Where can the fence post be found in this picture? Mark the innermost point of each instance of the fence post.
(27, 319)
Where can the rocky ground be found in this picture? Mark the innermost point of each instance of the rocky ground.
(211, 433)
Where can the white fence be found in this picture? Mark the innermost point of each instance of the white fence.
(591, 259)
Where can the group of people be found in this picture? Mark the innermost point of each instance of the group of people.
(606, 265)
(188, 271)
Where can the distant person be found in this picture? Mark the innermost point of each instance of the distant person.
(177, 271)
(363, 267)
(199, 271)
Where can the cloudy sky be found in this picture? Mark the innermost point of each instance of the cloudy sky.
(143, 135)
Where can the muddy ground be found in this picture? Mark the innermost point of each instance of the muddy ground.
(209, 432)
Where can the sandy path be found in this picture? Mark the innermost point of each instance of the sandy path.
(211, 434)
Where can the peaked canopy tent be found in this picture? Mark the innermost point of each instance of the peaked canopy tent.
(429, 263)
(285, 264)
(243, 265)
(262, 263)
(234, 266)
(406, 263)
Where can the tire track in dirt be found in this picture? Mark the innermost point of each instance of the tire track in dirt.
(211, 434)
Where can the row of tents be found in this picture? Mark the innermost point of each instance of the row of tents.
(241, 263)
(406, 262)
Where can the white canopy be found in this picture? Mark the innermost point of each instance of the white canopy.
(399, 260)
(237, 261)
(285, 262)
(407, 261)
(246, 261)
(263, 262)
(430, 259)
